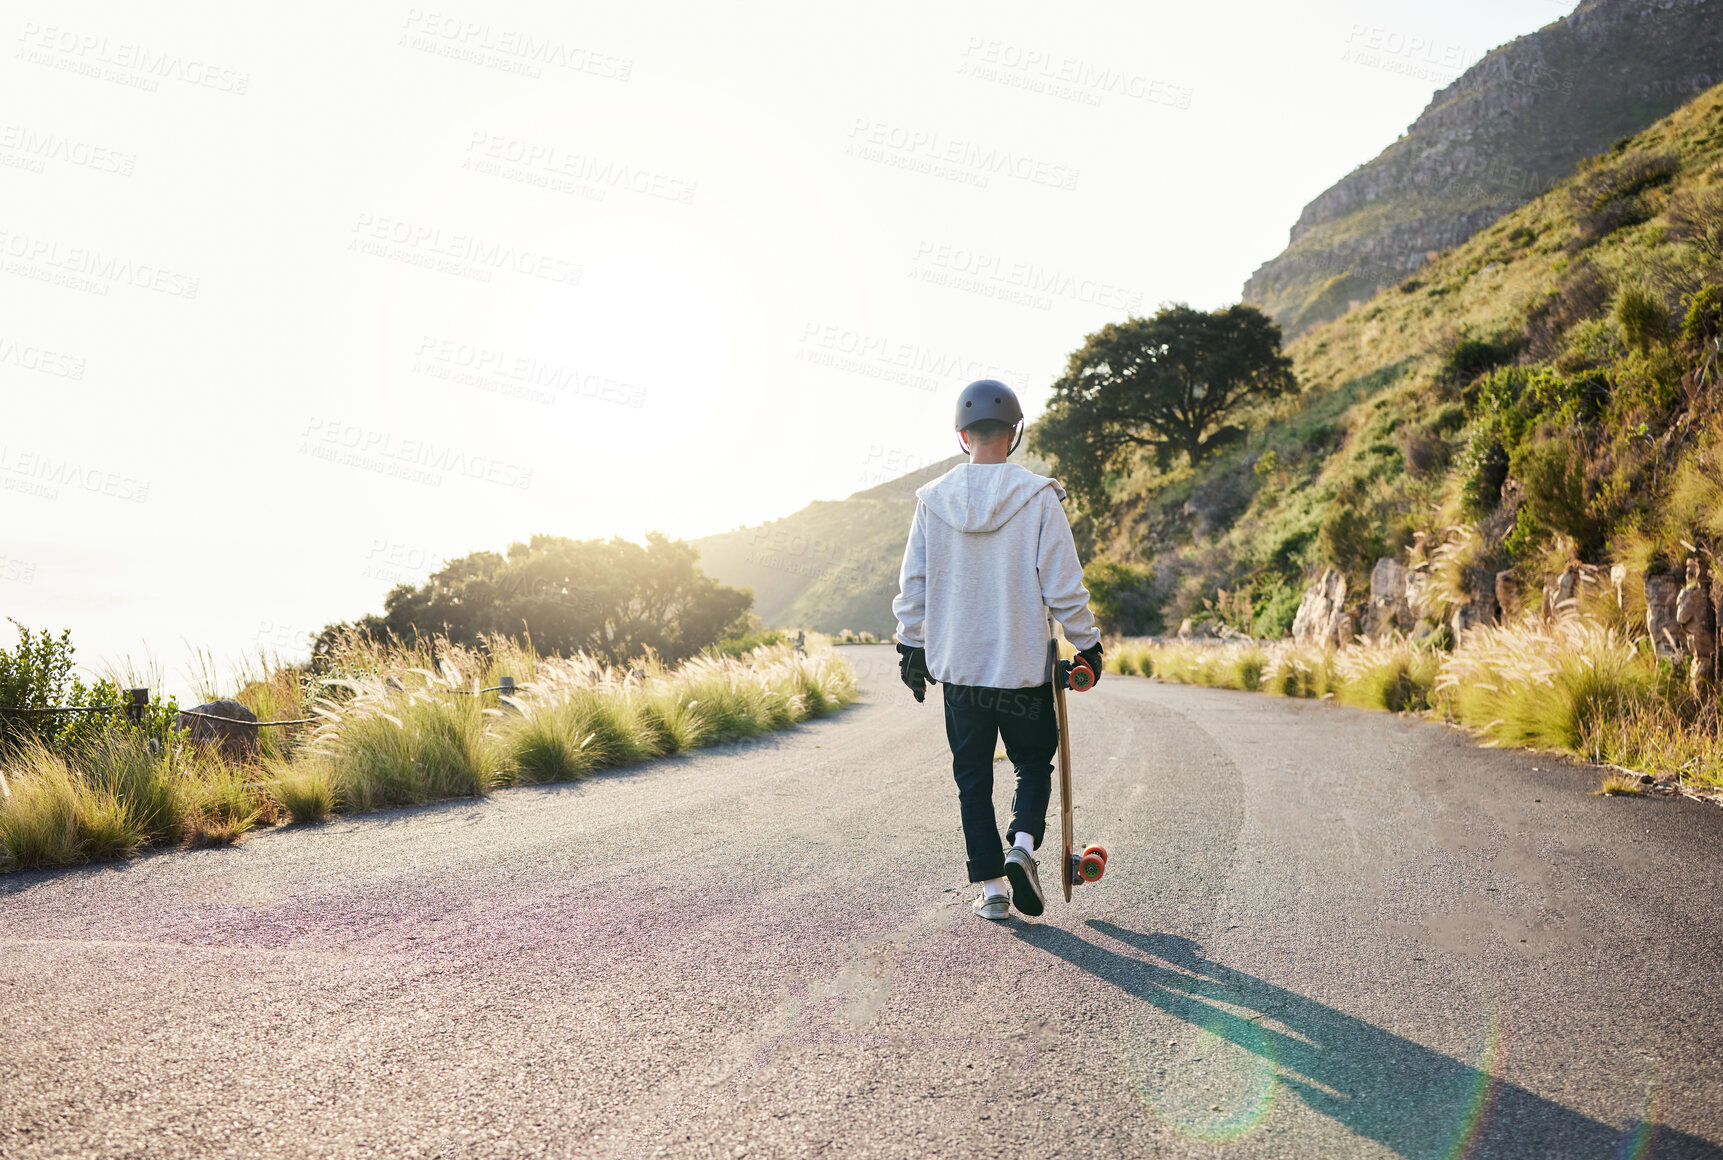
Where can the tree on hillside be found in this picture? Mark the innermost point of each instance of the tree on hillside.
(611, 598)
(1166, 384)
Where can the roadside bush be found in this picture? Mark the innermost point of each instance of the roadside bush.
(305, 792)
(1130, 658)
(220, 801)
(388, 748)
(37, 674)
(1393, 676)
(1576, 685)
(1223, 666)
(1544, 685)
(142, 777)
(49, 816)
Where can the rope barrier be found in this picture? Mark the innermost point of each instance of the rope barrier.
(242, 720)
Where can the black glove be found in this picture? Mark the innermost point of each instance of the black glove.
(912, 667)
(1092, 655)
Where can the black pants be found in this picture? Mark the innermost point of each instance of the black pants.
(976, 719)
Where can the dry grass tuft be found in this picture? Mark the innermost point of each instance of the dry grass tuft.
(1617, 784)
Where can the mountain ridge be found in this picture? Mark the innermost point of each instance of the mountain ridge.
(1508, 129)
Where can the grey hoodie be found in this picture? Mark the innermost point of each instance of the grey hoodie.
(989, 552)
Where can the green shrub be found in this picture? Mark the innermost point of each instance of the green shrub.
(38, 674)
(1351, 539)
(1276, 604)
(1123, 596)
(1471, 357)
(1704, 320)
(1483, 468)
(1643, 318)
(1553, 479)
(1576, 398)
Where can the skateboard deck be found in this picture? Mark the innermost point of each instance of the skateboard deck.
(1067, 808)
(1074, 869)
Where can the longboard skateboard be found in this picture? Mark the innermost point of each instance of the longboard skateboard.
(1076, 675)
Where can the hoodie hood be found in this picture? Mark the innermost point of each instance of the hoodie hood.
(981, 497)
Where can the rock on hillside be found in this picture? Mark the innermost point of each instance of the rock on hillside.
(1514, 124)
(833, 565)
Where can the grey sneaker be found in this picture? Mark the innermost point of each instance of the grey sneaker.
(997, 908)
(1025, 882)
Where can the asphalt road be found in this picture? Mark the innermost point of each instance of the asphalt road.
(1322, 933)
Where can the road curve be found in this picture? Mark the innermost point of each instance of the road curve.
(1322, 933)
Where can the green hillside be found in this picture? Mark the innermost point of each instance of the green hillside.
(1504, 132)
(1551, 383)
(1533, 383)
(833, 565)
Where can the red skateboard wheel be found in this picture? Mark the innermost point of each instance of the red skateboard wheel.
(1091, 867)
(1082, 677)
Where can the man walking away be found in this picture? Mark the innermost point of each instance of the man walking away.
(989, 554)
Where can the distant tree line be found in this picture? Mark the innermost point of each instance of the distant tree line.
(611, 598)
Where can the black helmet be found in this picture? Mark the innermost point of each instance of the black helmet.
(990, 399)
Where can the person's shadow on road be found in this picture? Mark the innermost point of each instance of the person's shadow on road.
(1419, 1102)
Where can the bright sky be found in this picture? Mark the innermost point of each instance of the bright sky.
(298, 301)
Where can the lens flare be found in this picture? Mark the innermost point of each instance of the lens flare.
(1206, 1085)
(1637, 1142)
(1482, 1096)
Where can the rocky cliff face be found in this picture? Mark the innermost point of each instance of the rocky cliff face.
(1509, 128)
